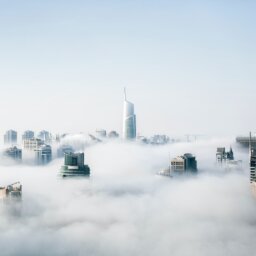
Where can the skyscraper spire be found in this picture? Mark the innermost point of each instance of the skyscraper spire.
(124, 93)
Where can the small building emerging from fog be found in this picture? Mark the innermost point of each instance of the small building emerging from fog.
(11, 192)
(32, 144)
(223, 156)
(14, 153)
(43, 154)
(74, 165)
(185, 163)
(63, 149)
(27, 135)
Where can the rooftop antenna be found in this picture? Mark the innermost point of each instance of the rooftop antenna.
(124, 93)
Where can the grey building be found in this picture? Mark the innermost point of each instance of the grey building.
(10, 137)
(74, 165)
(223, 156)
(185, 163)
(11, 192)
(27, 135)
(45, 136)
(43, 154)
(32, 144)
(14, 153)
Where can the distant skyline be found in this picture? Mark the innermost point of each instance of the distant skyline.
(188, 66)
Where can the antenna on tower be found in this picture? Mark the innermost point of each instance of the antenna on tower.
(124, 93)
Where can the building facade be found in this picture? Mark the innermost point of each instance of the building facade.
(10, 137)
(185, 163)
(27, 135)
(129, 120)
(32, 144)
(14, 153)
(74, 165)
(43, 154)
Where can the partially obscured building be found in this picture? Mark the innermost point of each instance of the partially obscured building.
(43, 154)
(185, 163)
(244, 141)
(11, 192)
(10, 137)
(129, 120)
(32, 144)
(14, 153)
(45, 136)
(27, 135)
(74, 165)
(222, 155)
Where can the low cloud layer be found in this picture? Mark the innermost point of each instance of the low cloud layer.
(126, 209)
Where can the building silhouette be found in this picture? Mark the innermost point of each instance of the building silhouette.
(74, 165)
(27, 135)
(129, 120)
(14, 153)
(10, 137)
(43, 154)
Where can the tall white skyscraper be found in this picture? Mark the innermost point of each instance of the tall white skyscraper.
(129, 120)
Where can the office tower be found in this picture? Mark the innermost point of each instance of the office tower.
(244, 141)
(10, 137)
(45, 136)
(32, 144)
(74, 165)
(27, 135)
(252, 155)
(185, 163)
(101, 133)
(64, 149)
(14, 153)
(222, 156)
(129, 120)
(43, 154)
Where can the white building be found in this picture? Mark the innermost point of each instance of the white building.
(129, 120)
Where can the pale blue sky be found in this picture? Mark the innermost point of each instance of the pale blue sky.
(189, 66)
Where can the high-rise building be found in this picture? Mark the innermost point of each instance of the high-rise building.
(184, 163)
(129, 120)
(222, 156)
(14, 153)
(45, 136)
(10, 137)
(252, 155)
(32, 144)
(27, 135)
(74, 165)
(43, 154)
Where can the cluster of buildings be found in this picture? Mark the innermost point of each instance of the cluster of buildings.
(11, 192)
(185, 164)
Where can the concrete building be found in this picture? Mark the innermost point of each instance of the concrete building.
(43, 154)
(74, 165)
(185, 163)
(129, 120)
(222, 156)
(11, 192)
(10, 137)
(244, 141)
(27, 135)
(14, 153)
(32, 144)
(45, 136)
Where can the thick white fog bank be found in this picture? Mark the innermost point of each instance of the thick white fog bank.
(124, 208)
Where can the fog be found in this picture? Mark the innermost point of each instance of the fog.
(125, 208)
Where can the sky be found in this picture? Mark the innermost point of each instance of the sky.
(188, 66)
